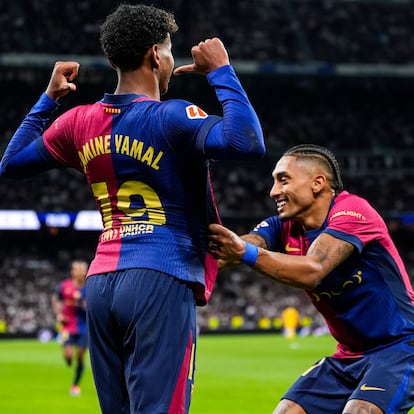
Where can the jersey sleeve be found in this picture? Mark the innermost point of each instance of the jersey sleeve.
(270, 230)
(186, 124)
(236, 135)
(354, 220)
(59, 139)
(239, 135)
(25, 154)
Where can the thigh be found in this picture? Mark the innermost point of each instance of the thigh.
(379, 382)
(82, 341)
(288, 407)
(361, 406)
(388, 380)
(322, 388)
(105, 346)
(156, 313)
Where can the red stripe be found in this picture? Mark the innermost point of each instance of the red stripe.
(178, 401)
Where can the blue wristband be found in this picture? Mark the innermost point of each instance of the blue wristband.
(250, 255)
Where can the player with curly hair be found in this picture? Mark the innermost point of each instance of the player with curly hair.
(146, 162)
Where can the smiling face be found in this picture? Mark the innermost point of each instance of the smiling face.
(298, 185)
(78, 272)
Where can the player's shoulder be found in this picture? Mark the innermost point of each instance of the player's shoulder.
(184, 109)
(269, 224)
(347, 198)
(350, 204)
(74, 113)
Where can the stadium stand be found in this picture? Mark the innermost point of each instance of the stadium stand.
(336, 73)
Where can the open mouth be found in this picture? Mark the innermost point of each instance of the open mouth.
(280, 205)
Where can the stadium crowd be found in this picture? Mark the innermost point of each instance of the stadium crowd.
(372, 138)
(366, 122)
(293, 31)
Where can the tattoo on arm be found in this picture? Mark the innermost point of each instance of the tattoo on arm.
(361, 407)
(255, 239)
(286, 406)
(330, 251)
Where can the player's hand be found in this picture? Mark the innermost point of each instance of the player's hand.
(225, 244)
(207, 56)
(61, 80)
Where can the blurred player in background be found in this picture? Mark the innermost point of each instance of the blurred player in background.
(69, 306)
(290, 322)
(336, 246)
(146, 162)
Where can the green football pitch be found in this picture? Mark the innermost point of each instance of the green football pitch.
(240, 374)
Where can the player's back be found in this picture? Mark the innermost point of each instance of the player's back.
(148, 175)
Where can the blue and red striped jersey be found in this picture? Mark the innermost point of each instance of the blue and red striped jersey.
(371, 285)
(73, 300)
(146, 163)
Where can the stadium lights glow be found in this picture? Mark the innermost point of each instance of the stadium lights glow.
(31, 220)
(19, 220)
(88, 220)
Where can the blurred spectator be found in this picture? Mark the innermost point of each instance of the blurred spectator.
(367, 122)
(294, 31)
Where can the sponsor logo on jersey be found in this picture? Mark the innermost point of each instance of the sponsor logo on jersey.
(353, 281)
(365, 387)
(194, 112)
(289, 248)
(350, 213)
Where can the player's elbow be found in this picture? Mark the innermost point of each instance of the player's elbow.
(256, 146)
(308, 278)
(310, 284)
(313, 276)
(252, 148)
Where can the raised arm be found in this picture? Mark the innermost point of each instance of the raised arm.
(207, 57)
(239, 135)
(25, 155)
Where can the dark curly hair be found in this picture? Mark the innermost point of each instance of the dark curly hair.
(128, 33)
(324, 156)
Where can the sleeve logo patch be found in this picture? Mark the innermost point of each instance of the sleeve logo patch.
(261, 225)
(194, 112)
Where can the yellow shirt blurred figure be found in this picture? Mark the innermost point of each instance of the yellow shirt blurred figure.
(290, 320)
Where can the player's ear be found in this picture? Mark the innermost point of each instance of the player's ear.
(154, 55)
(319, 183)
